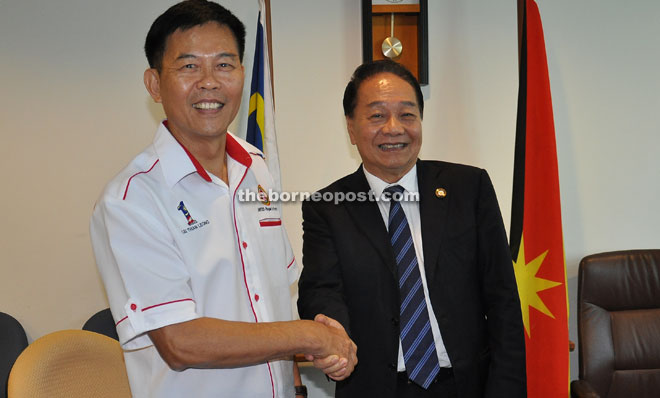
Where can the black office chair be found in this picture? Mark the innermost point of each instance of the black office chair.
(12, 342)
(103, 323)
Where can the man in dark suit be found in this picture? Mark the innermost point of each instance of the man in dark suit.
(411, 257)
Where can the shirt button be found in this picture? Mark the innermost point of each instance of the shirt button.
(256, 297)
(244, 245)
(133, 307)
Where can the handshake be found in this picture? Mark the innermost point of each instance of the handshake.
(333, 351)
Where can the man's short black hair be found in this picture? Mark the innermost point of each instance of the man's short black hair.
(369, 69)
(185, 15)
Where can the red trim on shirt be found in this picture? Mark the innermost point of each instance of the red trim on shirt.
(198, 166)
(291, 263)
(245, 161)
(237, 152)
(272, 384)
(233, 149)
(193, 159)
(169, 302)
(156, 305)
(141, 172)
(270, 222)
(238, 238)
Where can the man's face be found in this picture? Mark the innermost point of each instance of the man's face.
(200, 82)
(386, 126)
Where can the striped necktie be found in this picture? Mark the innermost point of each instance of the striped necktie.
(419, 352)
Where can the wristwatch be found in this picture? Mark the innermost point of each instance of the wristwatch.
(301, 391)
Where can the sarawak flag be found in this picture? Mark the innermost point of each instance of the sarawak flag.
(537, 246)
(261, 114)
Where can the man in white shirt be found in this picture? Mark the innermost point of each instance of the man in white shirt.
(197, 280)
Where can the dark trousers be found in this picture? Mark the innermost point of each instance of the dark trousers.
(442, 387)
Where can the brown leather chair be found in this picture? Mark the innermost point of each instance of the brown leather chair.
(619, 325)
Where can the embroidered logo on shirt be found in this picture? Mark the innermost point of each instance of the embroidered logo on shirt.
(263, 195)
(193, 224)
(182, 209)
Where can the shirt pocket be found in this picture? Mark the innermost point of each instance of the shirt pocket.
(270, 222)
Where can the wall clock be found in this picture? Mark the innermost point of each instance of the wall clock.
(397, 29)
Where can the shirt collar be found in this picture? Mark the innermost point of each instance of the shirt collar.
(177, 162)
(408, 182)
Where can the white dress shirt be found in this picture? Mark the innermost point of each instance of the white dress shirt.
(174, 243)
(411, 210)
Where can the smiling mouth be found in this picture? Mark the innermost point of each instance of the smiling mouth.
(208, 105)
(390, 147)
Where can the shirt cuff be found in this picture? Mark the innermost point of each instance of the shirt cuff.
(139, 320)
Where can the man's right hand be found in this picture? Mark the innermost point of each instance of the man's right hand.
(339, 356)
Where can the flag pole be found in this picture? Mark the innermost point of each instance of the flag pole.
(521, 13)
(269, 37)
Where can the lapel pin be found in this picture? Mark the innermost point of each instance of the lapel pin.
(440, 192)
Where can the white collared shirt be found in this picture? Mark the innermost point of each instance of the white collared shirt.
(174, 243)
(411, 210)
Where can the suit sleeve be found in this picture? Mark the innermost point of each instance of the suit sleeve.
(507, 372)
(320, 288)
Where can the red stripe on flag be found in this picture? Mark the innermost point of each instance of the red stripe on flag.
(547, 341)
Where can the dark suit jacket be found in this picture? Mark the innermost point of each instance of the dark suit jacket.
(350, 274)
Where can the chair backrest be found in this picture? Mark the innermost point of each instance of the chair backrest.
(12, 342)
(70, 363)
(102, 322)
(619, 323)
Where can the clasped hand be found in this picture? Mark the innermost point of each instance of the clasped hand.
(340, 356)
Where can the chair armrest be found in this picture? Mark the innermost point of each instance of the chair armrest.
(582, 389)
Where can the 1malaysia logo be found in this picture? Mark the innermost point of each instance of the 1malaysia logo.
(193, 224)
(182, 209)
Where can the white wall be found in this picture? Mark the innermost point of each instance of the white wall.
(73, 111)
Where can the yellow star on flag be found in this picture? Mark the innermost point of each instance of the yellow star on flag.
(529, 285)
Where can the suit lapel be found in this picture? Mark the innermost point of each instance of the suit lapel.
(433, 213)
(368, 220)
